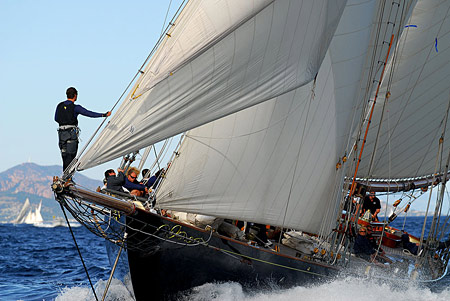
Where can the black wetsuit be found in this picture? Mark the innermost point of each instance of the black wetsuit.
(66, 115)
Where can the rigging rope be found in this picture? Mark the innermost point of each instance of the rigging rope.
(165, 18)
(431, 190)
(298, 155)
(78, 249)
(114, 267)
(352, 189)
(143, 159)
(156, 157)
(439, 201)
(383, 110)
(445, 228)
(371, 69)
(371, 74)
(413, 86)
(71, 168)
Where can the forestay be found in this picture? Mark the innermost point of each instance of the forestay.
(219, 57)
(274, 163)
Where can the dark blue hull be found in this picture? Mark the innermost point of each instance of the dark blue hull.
(178, 257)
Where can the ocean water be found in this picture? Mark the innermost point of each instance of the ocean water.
(42, 263)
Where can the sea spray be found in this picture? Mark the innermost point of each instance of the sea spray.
(117, 291)
(349, 288)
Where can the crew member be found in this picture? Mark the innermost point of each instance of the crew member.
(373, 204)
(362, 247)
(113, 181)
(66, 115)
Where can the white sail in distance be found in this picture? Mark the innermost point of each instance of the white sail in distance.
(34, 217)
(28, 216)
(219, 58)
(23, 212)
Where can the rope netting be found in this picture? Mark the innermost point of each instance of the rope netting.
(112, 225)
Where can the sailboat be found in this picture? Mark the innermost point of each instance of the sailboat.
(288, 113)
(23, 213)
(28, 216)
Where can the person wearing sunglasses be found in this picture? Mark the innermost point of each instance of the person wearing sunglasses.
(362, 247)
(132, 185)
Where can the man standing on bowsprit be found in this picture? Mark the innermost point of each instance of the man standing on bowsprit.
(66, 115)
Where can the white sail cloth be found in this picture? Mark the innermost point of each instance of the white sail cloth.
(274, 163)
(415, 113)
(28, 216)
(23, 213)
(220, 57)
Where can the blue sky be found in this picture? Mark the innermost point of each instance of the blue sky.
(48, 46)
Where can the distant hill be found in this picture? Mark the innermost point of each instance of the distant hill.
(29, 180)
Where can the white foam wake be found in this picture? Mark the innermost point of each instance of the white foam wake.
(117, 291)
(349, 288)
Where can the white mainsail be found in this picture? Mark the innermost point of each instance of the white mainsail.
(23, 212)
(415, 113)
(219, 58)
(275, 163)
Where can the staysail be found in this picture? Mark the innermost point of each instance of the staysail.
(275, 163)
(219, 57)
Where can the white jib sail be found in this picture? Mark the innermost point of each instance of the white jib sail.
(274, 163)
(219, 58)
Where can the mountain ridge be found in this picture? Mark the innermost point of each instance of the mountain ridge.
(33, 181)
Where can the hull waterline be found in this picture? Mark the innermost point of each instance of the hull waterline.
(168, 264)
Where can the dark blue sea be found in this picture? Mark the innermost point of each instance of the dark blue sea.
(42, 263)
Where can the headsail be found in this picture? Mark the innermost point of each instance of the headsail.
(219, 58)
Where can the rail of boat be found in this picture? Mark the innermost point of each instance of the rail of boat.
(111, 216)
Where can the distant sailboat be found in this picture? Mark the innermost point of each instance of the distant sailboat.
(28, 216)
(23, 213)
